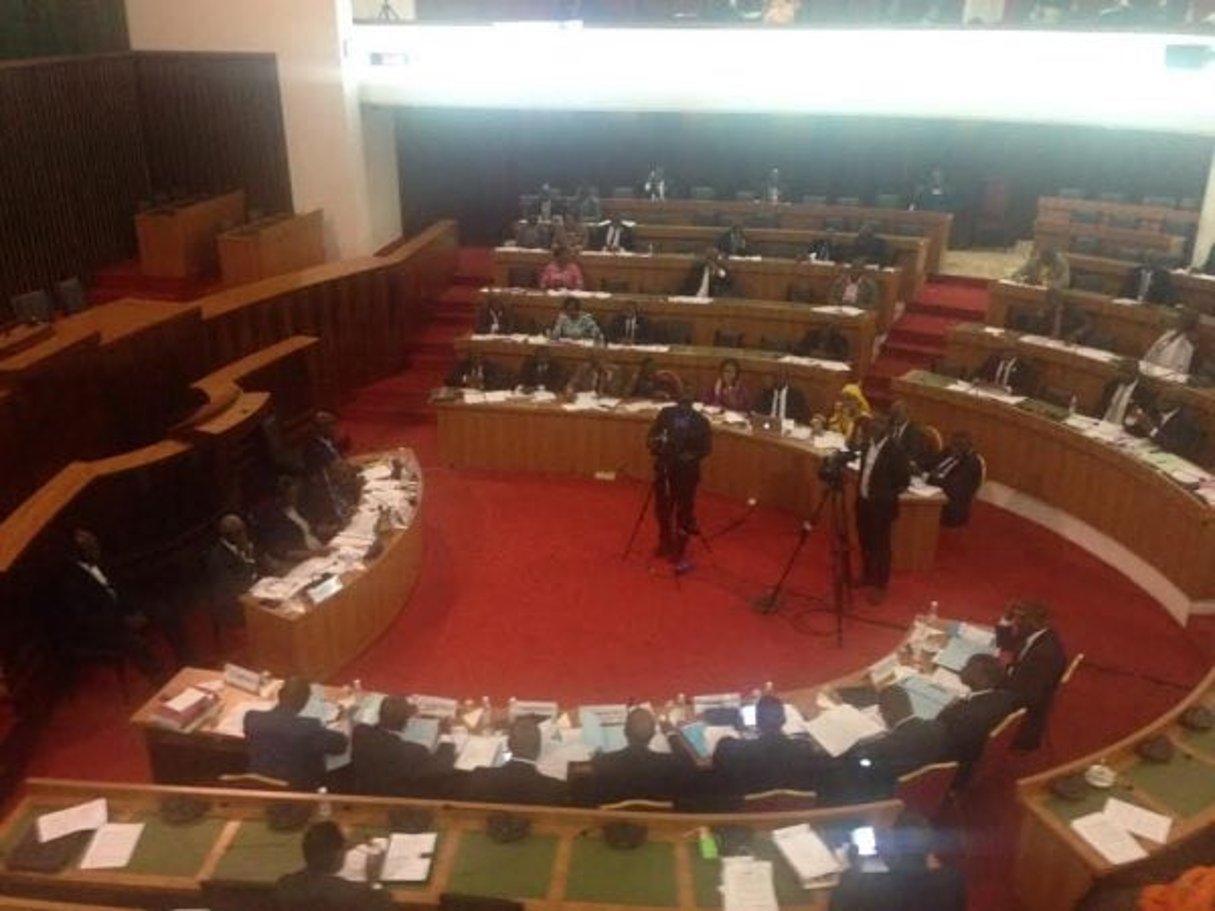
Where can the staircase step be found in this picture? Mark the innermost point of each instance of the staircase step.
(910, 351)
(948, 311)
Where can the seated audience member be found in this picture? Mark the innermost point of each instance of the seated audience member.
(772, 760)
(733, 242)
(783, 401)
(1008, 370)
(825, 249)
(539, 371)
(330, 496)
(728, 391)
(1174, 349)
(637, 772)
(475, 372)
(531, 235)
(915, 880)
(594, 376)
(629, 327)
(1038, 663)
(1151, 283)
(494, 319)
(1062, 319)
(284, 744)
(1124, 393)
(575, 324)
(934, 195)
(282, 530)
(651, 383)
(869, 249)
(908, 434)
(853, 288)
(849, 408)
(773, 189)
(617, 235)
(561, 272)
(709, 277)
(232, 568)
(96, 615)
(518, 780)
(969, 719)
(1169, 425)
(655, 187)
(909, 743)
(548, 203)
(384, 763)
(324, 445)
(318, 887)
(958, 472)
(570, 232)
(589, 208)
(1046, 267)
(825, 342)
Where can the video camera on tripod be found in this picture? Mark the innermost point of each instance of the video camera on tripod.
(831, 469)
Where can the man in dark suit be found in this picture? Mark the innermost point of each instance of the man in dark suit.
(494, 319)
(959, 473)
(733, 242)
(383, 763)
(518, 780)
(915, 880)
(324, 444)
(629, 327)
(884, 475)
(96, 616)
(637, 772)
(318, 887)
(783, 401)
(539, 371)
(283, 744)
(868, 248)
(909, 743)
(1009, 371)
(1150, 283)
(825, 342)
(475, 372)
(679, 439)
(232, 568)
(772, 760)
(971, 718)
(1124, 395)
(617, 235)
(1168, 425)
(283, 531)
(826, 248)
(1038, 664)
(709, 277)
(908, 434)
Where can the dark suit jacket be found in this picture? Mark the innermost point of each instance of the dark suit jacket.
(733, 245)
(796, 408)
(636, 773)
(513, 782)
(319, 452)
(874, 250)
(1178, 435)
(382, 763)
(228, 577)
(276, 534)
(822, 248)
(1032, 677)
(552, 379)
(913, 441)
(1160, 288)
(960, 481)
(891, 475)
(485, 323)
(290, 747)
(626, 238)
(91, 611)
(719, 285)
(493, 376)
(768, 762)
(1141, 396)
(915, 743)
(927, 890)
(687, 446)
(1022, 379)
(823, 342)
(308, 891)
(617, 327)
(968, 722)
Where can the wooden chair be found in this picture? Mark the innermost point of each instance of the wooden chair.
(71, 295)
(933, 441)
(1072, 665)
(927, 788)
(251, 781)
(779, 799)
(32, 307)
(996, 750)
(727, 339)
(982, 468)
(773, 344)
(638, 805)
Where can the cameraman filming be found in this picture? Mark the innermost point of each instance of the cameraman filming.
(678, 439)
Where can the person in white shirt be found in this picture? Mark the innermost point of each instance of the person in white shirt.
(1123, 395)
(709, 277)
(1174, 349)
(884, 475)
(656, 184)
(853, 288)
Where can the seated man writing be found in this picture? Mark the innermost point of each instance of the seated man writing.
(384, 763)
(518, 780)
(638, 772)
(285, 745)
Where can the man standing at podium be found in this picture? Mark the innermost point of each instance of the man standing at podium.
(679, 438)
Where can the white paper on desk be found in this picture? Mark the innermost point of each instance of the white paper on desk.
(232, 722)
(481, 750)
(473, 397)
(1108, 839)
(556, 757)
(993, 330)
(980, 635)
(112, 846)
(839, 728)
(746, 885)
(497, 396)
(806, 853)
(795, 722)
(920, 489)
(1138, 821)
(354, 866)
(408, 857)
(841, 310)
(948, 680)
(380, 471)
(84, 816)
(689, 299)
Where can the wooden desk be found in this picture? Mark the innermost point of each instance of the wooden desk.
(564, 862)
(1032, 452)
(665, 274)
(753, 320)
(179, 241)
(1055, 867)
(1151, 218)
(19, 336)
(776, 471)
(320, 640)
(1132, 326)
(272, 246)
(933, 226)
(1105, 276)
(969, 345)
(1119, 243)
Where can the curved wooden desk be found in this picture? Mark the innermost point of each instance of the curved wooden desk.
(1055, 867)
(1029, 450)
(1106, 276)
(775, 471)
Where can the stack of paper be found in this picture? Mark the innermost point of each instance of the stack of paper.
(112, 846)
(232, 722)
(840, 727)
(746, 885)
(409, 856)
(958, 651)
(1138, 821)
(422, 731)
(811, 860)
(481, 750)
(928, 698)
(92, 814)
(1108, 839)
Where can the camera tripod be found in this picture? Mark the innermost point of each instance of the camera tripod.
(832, 500)
(388, 12)
(645, 507)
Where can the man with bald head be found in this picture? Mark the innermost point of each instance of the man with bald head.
(385, 764)
(285, 745)
(637, 772)
(232, 568)
(518, 780)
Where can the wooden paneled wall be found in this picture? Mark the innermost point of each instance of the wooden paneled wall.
(52, 28)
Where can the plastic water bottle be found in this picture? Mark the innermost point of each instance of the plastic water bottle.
(324, 809)
(933, 611)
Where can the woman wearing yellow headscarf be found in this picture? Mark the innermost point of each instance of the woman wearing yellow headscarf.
(851, 408)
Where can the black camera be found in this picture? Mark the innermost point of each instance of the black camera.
(831, 469)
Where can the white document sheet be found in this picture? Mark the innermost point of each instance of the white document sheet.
(806, 853)
(1138, 821)
(480, 750)
(838, 729)
(409, 857)
(746, 885)
(90, 815)
(112, 846)
(1108, 839)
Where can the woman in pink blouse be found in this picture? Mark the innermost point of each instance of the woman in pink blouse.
(562, 272)
(727, 390)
